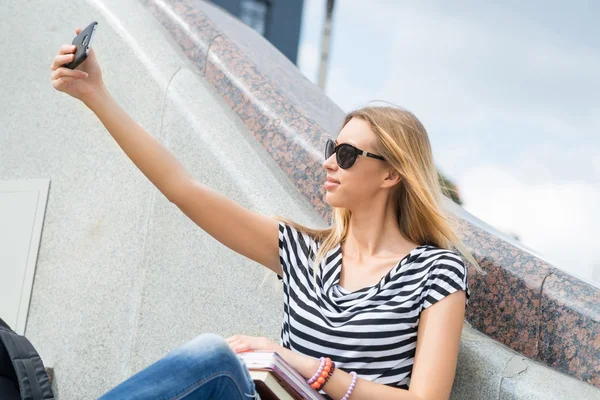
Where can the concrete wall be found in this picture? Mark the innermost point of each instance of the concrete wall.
(122, 275)
(488, 370)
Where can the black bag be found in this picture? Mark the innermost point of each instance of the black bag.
(22, 373)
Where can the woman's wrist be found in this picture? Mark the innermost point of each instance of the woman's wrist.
(94, 99)
(304, 365)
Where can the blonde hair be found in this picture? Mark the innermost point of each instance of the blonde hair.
(403, 141)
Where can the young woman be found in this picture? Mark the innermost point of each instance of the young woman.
(374, 305)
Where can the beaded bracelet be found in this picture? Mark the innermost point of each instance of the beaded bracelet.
(318, 373)
(352, 385)
(328, 375)
(318, 383)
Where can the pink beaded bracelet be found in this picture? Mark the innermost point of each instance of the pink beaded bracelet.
(316, 376)
(352, 385)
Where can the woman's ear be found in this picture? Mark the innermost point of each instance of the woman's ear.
(393, 178)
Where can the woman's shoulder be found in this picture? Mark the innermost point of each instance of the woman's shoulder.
(296, 241)
(292, 233)
(444, 272)
(439, 260)
(431, 252)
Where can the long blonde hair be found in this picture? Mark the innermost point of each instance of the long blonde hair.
(403, 141)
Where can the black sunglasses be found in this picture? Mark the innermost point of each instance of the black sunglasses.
(346, 154)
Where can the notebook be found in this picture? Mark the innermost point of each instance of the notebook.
(275, 378)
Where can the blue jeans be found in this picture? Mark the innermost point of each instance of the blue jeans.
(204, 368)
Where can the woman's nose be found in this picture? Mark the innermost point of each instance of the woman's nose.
(330, 163)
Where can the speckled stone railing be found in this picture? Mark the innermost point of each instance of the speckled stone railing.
(520, 300)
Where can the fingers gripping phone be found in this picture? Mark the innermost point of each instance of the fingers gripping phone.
(82, 43)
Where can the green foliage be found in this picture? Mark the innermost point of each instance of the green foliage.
(449, 189)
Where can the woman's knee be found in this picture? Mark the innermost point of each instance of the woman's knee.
(205, 341)
(205, 348)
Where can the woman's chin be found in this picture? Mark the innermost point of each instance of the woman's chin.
(332, 199)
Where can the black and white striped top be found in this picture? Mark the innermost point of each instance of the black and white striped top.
(372, 331)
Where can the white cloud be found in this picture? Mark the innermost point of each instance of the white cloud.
(465, 69)
(347, 96)
(452, 158)
(557, 219)
(547, 163)
(308, 61)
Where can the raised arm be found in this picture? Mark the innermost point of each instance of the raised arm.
(248, 233)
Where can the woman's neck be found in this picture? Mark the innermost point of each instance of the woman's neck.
(374, 231)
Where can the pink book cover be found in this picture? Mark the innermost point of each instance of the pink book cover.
(292, 381)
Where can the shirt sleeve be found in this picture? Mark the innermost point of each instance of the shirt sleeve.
(295, 250)
(283, 253)
(447, 275)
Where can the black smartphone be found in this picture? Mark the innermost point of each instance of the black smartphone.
(82, 42)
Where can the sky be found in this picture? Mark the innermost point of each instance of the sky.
(509, 94)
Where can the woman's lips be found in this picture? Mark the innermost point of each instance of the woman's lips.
(331, 183)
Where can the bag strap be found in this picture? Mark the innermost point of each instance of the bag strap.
(4, 324)
(33, 379)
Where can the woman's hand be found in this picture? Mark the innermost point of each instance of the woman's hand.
(304, 365)
(81, 82)
(242, 343)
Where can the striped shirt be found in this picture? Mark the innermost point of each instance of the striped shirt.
(372, 331)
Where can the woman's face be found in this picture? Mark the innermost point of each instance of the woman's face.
(354, 187)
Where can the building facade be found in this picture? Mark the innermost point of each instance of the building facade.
(279, 21)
